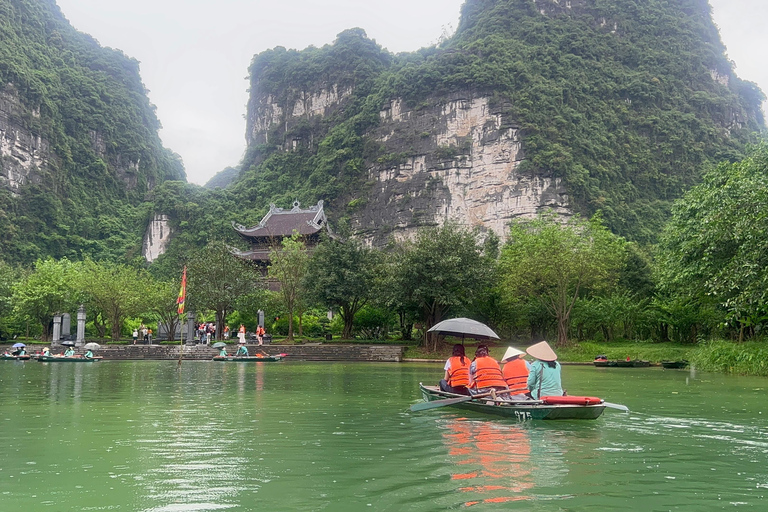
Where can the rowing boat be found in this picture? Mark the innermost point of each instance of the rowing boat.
(636, 363)
(580, 408)
(63, 359)
(674, 364)
(248, 359)
(14, 358)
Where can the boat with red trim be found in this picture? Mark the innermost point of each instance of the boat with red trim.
(548, 408)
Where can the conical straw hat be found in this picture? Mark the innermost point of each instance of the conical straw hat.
(511, 352)
(542, 351)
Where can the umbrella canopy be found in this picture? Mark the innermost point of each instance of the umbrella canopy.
(18, 345)
(68, 343)
(464, 327)
(92, 346)
(219, 344)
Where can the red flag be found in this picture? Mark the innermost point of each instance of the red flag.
(182, 292)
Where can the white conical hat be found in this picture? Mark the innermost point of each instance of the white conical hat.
(511, 352)
(542, 351)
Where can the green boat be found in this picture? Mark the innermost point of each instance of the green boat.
(674, 364)
(249, 359)
(14, 358)
(521, 411)
(635, 363)
(62, 359)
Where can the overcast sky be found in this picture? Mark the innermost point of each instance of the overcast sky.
(195, 54)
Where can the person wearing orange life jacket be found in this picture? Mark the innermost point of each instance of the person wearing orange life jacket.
(485, 374)
(456, 369)
(515, 374)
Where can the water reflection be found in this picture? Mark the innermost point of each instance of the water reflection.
(493, 460)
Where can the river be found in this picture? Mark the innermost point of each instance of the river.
(147, 436)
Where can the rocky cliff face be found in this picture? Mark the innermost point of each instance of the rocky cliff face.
(455, 159)
(156, 238)
(23, 154)
(459, 163)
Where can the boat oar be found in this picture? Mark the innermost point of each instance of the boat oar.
(620, 407)
(422, 406)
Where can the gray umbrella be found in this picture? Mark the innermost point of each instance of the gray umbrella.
(68, 343)
(219, 344)
(464, 327)
(92, 346)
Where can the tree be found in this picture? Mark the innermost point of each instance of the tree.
(289, 265)
(713, 248)
(342, 278)
(115, 291)
(555, 260)
(443, 270)
(47, 291)
(161, 299)
(216, 280)
(9, 276)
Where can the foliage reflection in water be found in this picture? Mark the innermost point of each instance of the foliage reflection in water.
(146, 436)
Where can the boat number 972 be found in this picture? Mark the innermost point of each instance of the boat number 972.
(522, 415)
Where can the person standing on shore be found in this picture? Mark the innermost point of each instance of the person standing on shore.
(260, 334)
(135, 335)
(241, 334)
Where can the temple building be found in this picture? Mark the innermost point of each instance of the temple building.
(278, 224)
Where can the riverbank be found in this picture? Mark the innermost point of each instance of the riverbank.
(305, 352)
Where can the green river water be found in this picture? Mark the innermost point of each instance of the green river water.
(150, 437)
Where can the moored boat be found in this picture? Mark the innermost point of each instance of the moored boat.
(674, 364)
(14, 358)
(249, 359)
(635, 363)
(62, 359)
(566, 408)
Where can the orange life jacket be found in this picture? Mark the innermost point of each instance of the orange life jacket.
(458, 374)
(516, 374)
(488, 373)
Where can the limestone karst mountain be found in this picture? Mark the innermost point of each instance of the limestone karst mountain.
(575, 106)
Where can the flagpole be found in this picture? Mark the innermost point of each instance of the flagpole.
(180, 310)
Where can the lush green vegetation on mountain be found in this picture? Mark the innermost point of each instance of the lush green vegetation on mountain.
(88, 105)
(627, 102)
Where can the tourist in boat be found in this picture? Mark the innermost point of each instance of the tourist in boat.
(485, 375)
(46, 352)
(88, 354)
(242, 350)
(223, 352)
(70, 352)
(456, 377)
(21, 352)
(544, 378)
(515, 371)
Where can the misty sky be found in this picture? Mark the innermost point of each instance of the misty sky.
(195, 54)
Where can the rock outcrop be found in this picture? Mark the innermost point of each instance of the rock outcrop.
(23, 154)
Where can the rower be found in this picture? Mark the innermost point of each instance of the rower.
(242, 350)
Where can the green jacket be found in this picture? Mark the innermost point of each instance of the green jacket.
(544, 381)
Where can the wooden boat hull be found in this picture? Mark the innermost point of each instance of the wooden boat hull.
(637, 363)
(521, 411)
(674, 364)
(55, 359)
(15, 358)
(249, 359)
